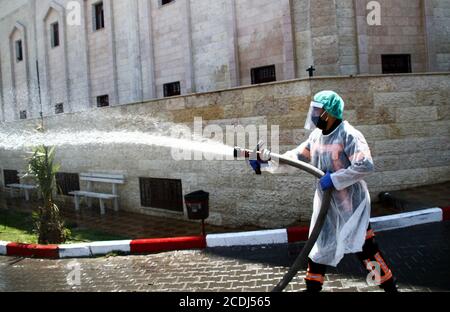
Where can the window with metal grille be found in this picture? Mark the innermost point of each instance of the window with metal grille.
(164, 2)
(54, 30)
(102, 100)
(263, 74)
(10, 177)
(23, 114)
(396, 63)
(19, 51)
(67, 182)
(99, 16)
(59, 108)
(172, 89)
(161, 193)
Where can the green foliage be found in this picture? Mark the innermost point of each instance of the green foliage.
(19, 227)
(42, 165)
(16, 226)
(48, 222)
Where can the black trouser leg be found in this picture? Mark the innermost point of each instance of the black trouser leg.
(315, 276)
(372, 259)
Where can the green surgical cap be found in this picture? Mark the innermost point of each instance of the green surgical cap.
(333, 104)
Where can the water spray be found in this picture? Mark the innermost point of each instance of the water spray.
(301, 259)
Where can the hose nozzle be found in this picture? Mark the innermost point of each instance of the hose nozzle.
(257, 154)
(241, 152)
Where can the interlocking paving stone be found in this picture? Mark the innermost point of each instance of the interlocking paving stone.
(419, 258)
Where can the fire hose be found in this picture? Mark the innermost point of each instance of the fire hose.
(301, 259)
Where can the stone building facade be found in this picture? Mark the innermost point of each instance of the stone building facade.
(134, 48)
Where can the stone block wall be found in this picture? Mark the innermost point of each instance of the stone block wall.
(405, 119)
(441, 34)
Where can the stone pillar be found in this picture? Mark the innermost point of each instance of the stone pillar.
(134, 52)
(288, 41)
(147, 51)
(109, 24)
(45, 67)
(13, 97)
(85, 62)
(303, 40)
(428, 24)
(34, 69)
(187, 49)
(325, 37)
(2, 99)
(361, 36)
(22, 29)
(62, 20)
(233, 51)
(348, 47)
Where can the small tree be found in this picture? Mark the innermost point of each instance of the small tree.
(49, 224)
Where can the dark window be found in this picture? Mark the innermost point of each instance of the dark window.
(19, 51)
(59, 108)
(99, 16)
(263, 74)
(102, 100)
(396, 63)
(172, 89)
(54, 29)
(67, 182)
(163, 2)
(23, 114)
(161, 193)
(10, 177)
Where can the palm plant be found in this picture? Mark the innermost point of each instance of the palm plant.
(49, 224)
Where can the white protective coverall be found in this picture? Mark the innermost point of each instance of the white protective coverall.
(346, 154)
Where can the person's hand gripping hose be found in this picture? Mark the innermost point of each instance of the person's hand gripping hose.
(301, 260)
(256, 158)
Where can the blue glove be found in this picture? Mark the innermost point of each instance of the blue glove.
(326, 182)
(256, 165)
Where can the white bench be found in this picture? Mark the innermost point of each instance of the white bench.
(113, 179)
(25, 187)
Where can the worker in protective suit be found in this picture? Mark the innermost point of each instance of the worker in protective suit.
(337, 148)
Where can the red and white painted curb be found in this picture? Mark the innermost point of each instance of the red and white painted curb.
(153, 245)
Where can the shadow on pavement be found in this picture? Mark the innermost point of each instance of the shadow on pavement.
(419, 256)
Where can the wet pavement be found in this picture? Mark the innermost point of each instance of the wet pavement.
(419, 257)
(428, 196)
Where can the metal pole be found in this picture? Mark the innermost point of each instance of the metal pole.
(203, 228)
(39, 94)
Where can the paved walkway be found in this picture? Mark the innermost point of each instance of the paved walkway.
(419, 257)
